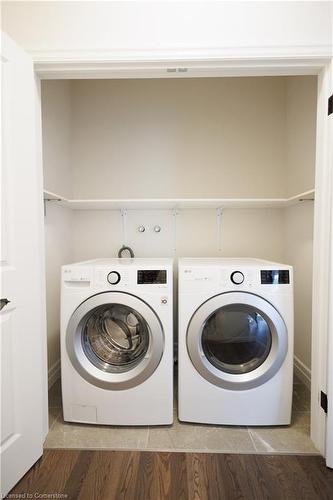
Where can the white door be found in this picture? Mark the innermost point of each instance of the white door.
(23, 396)
(329, 420)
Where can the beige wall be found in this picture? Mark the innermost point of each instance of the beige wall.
(57, 136)
(99, 233)
(58, 251)
(301, 108)
(298, 237)
(298, 220)
(56, 126)
(215, 137)
(180, 138)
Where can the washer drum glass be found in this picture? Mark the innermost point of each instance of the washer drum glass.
(115, 337)
(114, 340)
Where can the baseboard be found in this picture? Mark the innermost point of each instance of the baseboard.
(302, 372)
(53, 373)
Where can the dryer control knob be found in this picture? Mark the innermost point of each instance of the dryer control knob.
(113, 278)
(237, 277)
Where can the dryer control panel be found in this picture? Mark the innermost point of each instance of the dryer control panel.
(211, 276)
(275, 277)
(241, 278)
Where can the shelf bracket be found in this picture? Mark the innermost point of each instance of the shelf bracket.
(123, 213)
(219, 215)
(174, 214)
(45, 200)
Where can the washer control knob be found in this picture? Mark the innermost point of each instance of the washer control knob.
(237, 277)
(113, 278)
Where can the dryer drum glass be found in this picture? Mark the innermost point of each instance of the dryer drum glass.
(115, 337)
(236, 339)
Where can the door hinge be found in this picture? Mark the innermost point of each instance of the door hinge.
(330, 105)
(323, 401)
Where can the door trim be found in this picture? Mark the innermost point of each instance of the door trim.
(322, 335)
(181, 63)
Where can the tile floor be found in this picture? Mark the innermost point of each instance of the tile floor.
(186, 437)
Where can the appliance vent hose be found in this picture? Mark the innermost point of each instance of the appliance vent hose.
(123, 249)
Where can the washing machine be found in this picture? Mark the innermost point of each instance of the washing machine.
(235, 341)
(117, 342)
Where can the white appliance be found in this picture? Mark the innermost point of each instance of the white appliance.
(235, 341)
(117, 341)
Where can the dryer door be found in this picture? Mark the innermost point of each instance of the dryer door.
(115, 340)
(237, 340)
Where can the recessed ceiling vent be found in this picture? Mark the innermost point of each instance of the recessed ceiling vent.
(177, 70)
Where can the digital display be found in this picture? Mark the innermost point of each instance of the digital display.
(149, 277)
(275, 277)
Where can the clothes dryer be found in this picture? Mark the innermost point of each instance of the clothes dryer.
(235, 341)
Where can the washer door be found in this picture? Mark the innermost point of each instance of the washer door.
(115, 340)
(237, 340)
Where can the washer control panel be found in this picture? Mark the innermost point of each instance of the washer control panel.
(237, 277)
(113, 278)
(116, 278)
(152, 277)
(127, 275)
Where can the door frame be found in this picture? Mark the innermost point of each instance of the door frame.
(236, 61)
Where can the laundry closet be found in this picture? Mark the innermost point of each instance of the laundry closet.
(181, 167)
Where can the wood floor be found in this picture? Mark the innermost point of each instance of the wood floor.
(107, 475)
